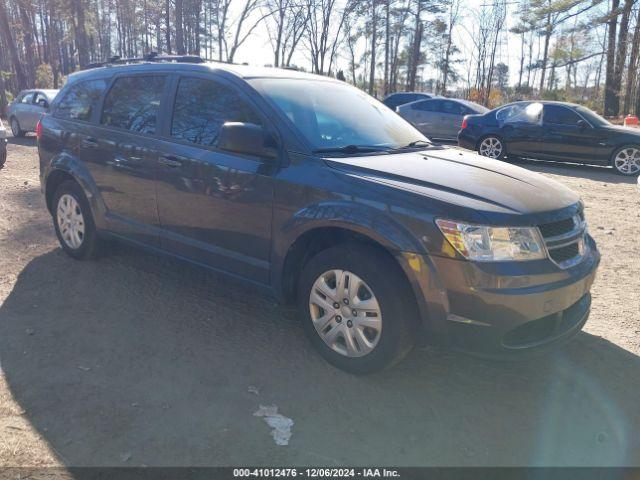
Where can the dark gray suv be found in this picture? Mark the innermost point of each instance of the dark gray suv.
(324, 197)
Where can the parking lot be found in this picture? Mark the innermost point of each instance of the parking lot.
(136, 359)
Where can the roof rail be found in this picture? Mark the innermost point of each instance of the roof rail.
(150, 57)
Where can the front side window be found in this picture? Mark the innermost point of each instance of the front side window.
(202, 106)
(81, 100)
(332, 115)
(452, 108)
(133, 103)
(559, 115)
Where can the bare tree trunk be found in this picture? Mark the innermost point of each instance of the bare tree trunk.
(547, 36)
(179, 24)
(29, 46)
(623, 41)
(374, 34)
(168, 24)
(632, 69)
(81, 34)
(8, 40)
(609, 82)
(387, 39)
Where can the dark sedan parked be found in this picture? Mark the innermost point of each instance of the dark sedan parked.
(552, 131)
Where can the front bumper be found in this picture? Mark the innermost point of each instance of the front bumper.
(506, 309)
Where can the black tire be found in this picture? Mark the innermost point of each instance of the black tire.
(503, 150)
(390, 287)
(15, 128)
(90, 243)
(613, 161)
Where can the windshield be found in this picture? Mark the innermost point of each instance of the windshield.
(334, 116)
(592, 117)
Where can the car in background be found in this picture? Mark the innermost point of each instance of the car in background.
(400, 98)
(439, 118)
(3, 144)
(554, 131)
(27, 108)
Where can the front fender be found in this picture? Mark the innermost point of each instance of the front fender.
(383, 229)
(69, 164)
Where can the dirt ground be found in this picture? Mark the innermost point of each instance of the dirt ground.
(135, 359)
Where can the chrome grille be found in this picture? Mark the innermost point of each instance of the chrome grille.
(565, 240)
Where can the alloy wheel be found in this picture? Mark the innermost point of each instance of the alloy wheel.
(627, 161)
(490, 147)
(70, 221)
(345, 313)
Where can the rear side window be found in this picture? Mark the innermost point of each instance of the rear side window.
(81, 100)
(28, 98)
(203, 106)
(133, 103)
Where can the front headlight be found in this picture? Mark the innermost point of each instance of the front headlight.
(493, 244)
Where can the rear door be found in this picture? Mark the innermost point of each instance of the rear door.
(215, 206)
(450, 118)
(520, 126)
(122, 153)
(38, 109)
(424, 116)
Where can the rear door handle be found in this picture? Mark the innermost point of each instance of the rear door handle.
(170, 161)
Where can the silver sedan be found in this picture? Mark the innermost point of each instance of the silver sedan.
(27, 108)
(439, 118)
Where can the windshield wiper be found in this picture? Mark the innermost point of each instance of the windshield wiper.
(348, 149)
(416, 143)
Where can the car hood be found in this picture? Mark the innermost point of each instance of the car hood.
(462, 178)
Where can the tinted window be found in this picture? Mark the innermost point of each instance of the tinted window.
(133, 103)
(560, 115)
(453, 108)
(203, 106)
(426, 106)
(520, 113)
(28, 98)
(81, 100)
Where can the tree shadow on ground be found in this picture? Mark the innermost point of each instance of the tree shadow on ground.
(135, 359)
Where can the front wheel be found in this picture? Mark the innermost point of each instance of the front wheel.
(73, 222)
(491, 147)
(15, 128)
(626, 160)
(356, 308)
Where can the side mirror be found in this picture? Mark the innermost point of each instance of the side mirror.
(582, 124)
(43, 103)
(247, 139)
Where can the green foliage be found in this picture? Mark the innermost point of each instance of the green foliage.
(44, 76)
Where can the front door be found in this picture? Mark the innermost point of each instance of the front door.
(568, 137)
(215, 207)
(122, 153)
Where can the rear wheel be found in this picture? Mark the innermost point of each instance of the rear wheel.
(626, 160)
(15, 128)
(73, 222)
(357, 308)
(491, 147)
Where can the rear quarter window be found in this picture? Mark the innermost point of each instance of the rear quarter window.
(81, 100)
